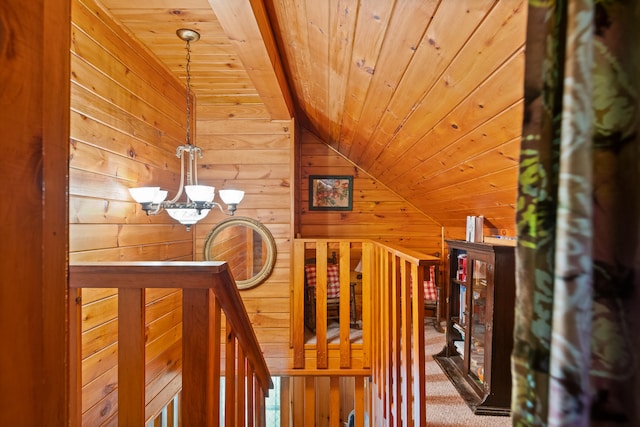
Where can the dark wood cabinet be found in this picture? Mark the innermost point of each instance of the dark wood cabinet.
(479, 334)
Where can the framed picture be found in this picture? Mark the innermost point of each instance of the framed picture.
(330, 193)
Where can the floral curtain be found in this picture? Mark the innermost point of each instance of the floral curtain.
(576, 351)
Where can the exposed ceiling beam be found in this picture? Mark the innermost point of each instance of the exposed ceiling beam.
(247, 25)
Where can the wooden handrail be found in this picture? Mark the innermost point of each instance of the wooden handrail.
(208, 288)
(399, 368)
(410, 255)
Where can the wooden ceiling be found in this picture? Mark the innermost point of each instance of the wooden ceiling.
(425, 95)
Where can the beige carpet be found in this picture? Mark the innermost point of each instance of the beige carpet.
(333, 334)
(444, 405)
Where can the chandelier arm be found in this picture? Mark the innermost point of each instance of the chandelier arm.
(208, 205)
(190, 180)
(181, 188)
(156, 211)
(195, 166)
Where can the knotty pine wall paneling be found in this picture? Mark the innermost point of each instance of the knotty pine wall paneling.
(127, 117)
(328, 394)
(378, 213)
(431, 110)
(255, 155)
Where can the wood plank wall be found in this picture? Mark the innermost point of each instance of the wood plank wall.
(378, 213)
(127, 117)
(315, 400)
(254, 155)
(233, 247)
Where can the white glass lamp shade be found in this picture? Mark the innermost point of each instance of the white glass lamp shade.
(187, 216)
(160, 196)
(200, 193)
(231, 197)
(144, 194)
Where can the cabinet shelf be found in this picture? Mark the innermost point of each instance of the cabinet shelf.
(476, 357)
(459, 327)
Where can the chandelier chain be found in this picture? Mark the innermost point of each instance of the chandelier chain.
(188, 67)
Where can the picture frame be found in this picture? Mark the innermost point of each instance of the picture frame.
(330, 193)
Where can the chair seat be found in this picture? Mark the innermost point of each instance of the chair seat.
(333, 294)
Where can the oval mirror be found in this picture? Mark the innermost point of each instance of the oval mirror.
(246, 245)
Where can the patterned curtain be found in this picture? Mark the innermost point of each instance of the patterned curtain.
(576, 348)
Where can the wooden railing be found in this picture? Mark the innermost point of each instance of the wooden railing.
(208, 289)
(392, 349)
(168, 416)
(304, 356)
(398, 370)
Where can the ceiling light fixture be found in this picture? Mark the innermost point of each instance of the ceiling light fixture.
(199, 197)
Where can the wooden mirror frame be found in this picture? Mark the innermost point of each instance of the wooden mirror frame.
(264, 233)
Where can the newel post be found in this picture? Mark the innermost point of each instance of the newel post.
(200, 358)
(131, 355)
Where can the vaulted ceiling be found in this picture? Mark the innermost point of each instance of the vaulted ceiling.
(425, 95)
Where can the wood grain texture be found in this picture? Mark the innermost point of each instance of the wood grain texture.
(203, 320)
(207, 287)
(387, 84)
(324, 401)
(127, 116)
(405, 92)
(220, 79)
(378, 212)
(131, 356)
(34, 308)
(249, 31)
(254, 156)
(383, 82)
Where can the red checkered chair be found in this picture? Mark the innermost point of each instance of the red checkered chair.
(333, 293)
(431, 298)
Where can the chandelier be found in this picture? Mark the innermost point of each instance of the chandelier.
(199, 197)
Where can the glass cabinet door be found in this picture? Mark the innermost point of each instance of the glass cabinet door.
(478, 310)
(461, 277)
(458, 300)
